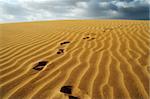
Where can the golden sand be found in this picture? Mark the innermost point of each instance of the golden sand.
(103, 59)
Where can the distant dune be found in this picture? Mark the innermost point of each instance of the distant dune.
(75, 59)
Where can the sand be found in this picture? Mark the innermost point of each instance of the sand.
(99, 59)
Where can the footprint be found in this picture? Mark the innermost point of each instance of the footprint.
(89, 38)
(66, 89)
(64, 42)
(60, 51)
(73, 97)
(40, 65)
(74, 93)
(86, 37)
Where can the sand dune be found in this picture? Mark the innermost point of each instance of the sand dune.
(98, 59)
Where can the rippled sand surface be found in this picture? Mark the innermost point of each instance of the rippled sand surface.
(98, 59)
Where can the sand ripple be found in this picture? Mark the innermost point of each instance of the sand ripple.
(99, 59)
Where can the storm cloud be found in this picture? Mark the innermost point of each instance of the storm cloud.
(32, 10)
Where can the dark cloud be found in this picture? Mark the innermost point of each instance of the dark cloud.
(141, 13)
(135, 10)
(28, 10)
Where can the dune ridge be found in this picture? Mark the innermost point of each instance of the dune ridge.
(102, 59)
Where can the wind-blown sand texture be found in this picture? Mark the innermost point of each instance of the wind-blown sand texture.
(100, 59)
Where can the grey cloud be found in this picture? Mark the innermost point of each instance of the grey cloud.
(28, 10)
(130, 9)
(13, 9)
(141, 12)
(133, 10)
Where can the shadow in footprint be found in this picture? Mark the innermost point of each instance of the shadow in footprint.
(73, 97)
(86, 37)
(60, 51)
(66, 89)
(40, 65)
(64, 43)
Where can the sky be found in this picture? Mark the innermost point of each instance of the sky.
(34, 10)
